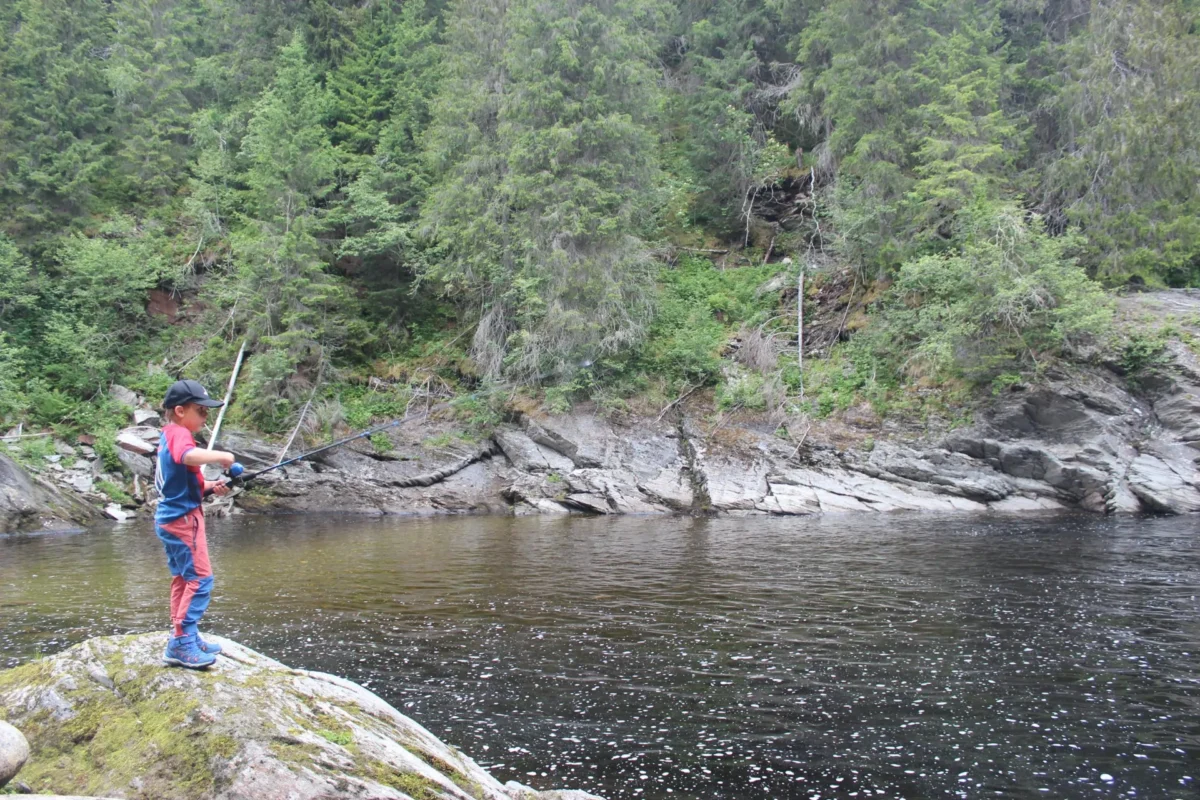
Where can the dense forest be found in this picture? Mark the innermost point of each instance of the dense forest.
(475, 200)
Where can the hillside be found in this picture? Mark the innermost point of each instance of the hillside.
(510, 207)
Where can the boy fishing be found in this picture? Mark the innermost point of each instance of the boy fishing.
(179, 520)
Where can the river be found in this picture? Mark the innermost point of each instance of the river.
(855, 656)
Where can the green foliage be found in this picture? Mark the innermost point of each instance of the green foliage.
(698, 304)
(362, 407)
(1008, 293)
(380, 107)
(851, 373)
(476, 191)
(294, 302)
(543, 146)
(115, 493)
(1126, 169)
(57, 111)
(13, 402)
(264, 397)
(742, 392)
(725, 116)
(1143, 355)
(909, 96)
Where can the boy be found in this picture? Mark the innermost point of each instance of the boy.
(179, 520)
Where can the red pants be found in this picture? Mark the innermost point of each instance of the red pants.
(191, 572)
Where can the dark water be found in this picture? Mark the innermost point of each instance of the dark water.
(896, 656)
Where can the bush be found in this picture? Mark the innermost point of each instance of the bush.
(698, 305)
(1007, 295)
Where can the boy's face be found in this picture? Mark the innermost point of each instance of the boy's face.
(191, 416)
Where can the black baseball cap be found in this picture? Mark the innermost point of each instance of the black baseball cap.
(183, 392)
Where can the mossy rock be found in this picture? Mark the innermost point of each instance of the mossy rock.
(107, 718)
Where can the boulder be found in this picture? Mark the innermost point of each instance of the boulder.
(616, 490)
(1161, 488)
(82, 482)
(529, 456)
(28, 503)
(139, 465)
(249, 727)
(145, 433)
(124, 396)
(115, 512)
(672, 488)
(146, 416)
(14, 751)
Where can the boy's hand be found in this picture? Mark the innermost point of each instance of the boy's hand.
(220, 488)
(224, 458)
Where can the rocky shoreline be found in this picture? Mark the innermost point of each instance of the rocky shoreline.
(105, 718)
(1079, 438)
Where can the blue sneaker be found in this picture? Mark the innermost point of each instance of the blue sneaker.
(182, 652)
(212, 648)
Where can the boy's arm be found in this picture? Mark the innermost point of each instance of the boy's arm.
(219, 488)
(198, 457)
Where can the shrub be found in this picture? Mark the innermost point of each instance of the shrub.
(1008, 293)
(697, 306)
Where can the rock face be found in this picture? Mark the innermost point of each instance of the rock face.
(106, 718)
(29, 503)
(1078, 439)
(1081, 440)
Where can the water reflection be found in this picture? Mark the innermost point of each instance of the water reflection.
(901, 656)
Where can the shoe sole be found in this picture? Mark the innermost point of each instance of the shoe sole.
(175, 662)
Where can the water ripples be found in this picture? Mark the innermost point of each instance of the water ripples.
(899, 656)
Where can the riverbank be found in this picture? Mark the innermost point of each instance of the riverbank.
(1115, 435)
(106, 718)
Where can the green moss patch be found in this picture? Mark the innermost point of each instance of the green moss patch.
(141, 740)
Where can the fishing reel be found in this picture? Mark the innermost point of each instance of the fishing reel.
(233, 475)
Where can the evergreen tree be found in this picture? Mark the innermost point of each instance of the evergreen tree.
(544, 139)
(1006, 295)
(909, 96)
(292, 302)
(730, 67)
(56, 112)
(148, 72)
(1128, 163)
(381, 96)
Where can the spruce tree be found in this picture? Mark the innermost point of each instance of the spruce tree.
(545, 144)
(909, 98)
(380, 100)
(730, 68)
(291, 300)
(54, 146)
(149, 73)
(1127, 169)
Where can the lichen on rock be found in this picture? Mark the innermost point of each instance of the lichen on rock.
(106, 718)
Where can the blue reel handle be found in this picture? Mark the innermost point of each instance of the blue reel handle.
(236, 470)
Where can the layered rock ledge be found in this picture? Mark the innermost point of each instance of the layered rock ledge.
(1101, 437)
(106, 719)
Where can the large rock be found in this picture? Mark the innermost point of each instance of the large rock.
(1162, 488)
(529, 456)
(1079, 437)
(14, 751)
(125, 396)
(29, 503)
(106, 718)
(146, 416)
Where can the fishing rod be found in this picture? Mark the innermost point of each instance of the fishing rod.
(238, 474)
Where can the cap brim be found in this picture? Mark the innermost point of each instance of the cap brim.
(210, 403)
